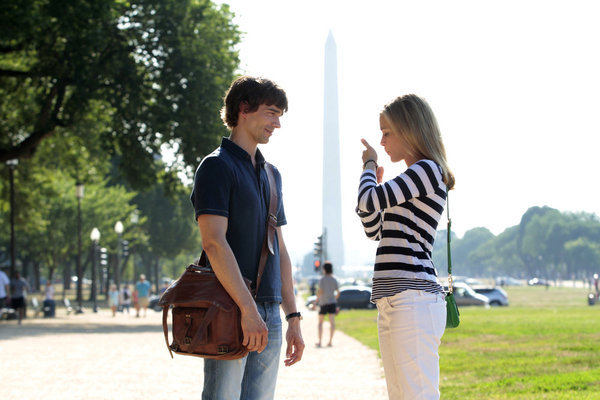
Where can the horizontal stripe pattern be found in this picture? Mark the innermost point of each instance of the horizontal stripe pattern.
(403, 215)
(388, 287)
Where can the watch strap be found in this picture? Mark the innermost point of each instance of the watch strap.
(293, 315)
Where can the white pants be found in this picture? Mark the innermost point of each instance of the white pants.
(411, 325)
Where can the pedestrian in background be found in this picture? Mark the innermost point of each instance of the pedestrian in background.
(18, 289)
(403, 214)
(125, 298)
(4, 289)
(49, 303)
(113, 299)
(135, 301)
(327, 296)
(143, 289)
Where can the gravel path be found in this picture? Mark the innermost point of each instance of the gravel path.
(97, 356)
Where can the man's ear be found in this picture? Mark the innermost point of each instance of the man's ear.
(244, 107)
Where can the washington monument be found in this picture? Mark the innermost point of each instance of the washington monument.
(332, 197)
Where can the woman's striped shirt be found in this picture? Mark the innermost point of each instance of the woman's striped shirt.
(403, 214)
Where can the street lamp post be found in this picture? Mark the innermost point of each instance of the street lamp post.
(119, 231)
(79, 194)
(95, 236)
(13, 252)
(103, 271)
(135, 218)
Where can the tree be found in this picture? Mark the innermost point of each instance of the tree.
(583, 257)
(473, 239)
(54, 243)
(155, 69)
(170, 224)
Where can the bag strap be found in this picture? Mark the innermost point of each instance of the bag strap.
(271, 226)
(269, 241)
(165, 328)
(201, 336)
(450, 280)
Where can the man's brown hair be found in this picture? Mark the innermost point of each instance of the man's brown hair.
(251, 92)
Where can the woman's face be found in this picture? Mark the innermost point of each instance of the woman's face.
(395, 146)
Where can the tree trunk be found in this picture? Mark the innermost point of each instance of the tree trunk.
(156, 268)
(37, 277)
(67, 276)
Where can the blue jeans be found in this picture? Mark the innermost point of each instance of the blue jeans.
(252, 377)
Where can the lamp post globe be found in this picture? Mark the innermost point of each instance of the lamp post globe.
(119, 227)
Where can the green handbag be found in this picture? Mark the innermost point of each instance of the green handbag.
(452, 314)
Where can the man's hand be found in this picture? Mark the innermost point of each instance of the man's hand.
(295, 343)
(256, 334)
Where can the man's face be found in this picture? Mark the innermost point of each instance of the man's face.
(261, 123)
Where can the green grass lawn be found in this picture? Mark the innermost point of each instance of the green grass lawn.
(545, 345)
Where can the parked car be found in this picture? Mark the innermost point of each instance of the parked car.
(496, 295)
(350, 297)
(153, 303)
(508, 281)
(466, 296)
(537, 282)
(469, 281)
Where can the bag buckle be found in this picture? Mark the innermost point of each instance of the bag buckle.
(450, 284)
(273, 220)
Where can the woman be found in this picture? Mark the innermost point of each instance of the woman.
(49, 303)
(403, 214)
(125, 298)
(113, 299)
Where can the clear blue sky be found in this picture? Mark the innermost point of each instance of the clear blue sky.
(515, 86)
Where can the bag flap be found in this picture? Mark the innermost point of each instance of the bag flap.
(197, 285)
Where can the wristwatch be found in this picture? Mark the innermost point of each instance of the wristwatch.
(293, 315)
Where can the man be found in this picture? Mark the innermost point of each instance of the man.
(327, 296)
(4, 289)
(143, 288)
(18, 288)
(231, 202)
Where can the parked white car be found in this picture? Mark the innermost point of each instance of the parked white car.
(496, 295)
(466, 296)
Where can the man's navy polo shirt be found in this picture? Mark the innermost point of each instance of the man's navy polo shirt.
(227, 184)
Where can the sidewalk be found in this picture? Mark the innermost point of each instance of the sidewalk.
(96, 356)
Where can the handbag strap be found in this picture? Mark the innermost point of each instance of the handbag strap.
(450, 280)
(268, 243)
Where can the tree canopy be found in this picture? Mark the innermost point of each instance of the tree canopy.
(153, 70)
(93, 92)
(547, 243)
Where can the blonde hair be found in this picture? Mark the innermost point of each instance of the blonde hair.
(412, 118)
